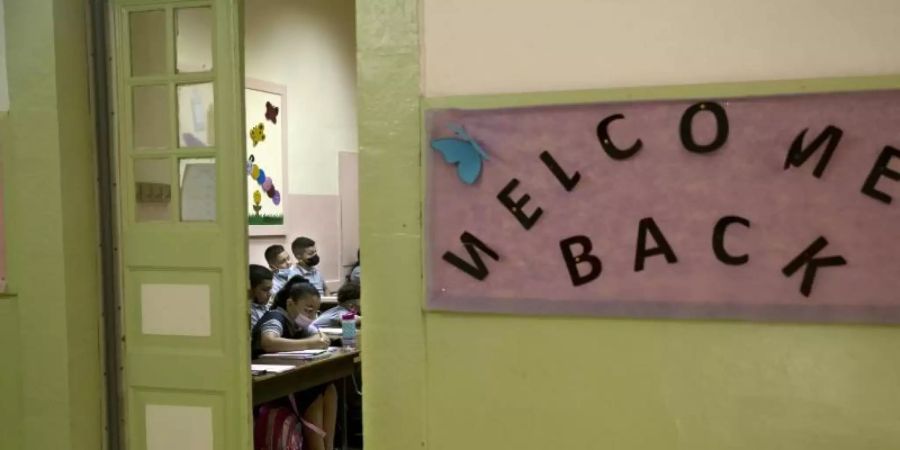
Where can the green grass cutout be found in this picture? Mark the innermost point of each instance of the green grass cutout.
(265, 219)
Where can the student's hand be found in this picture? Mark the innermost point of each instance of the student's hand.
(324, 339)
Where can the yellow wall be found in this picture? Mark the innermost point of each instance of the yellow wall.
(450, 381)
(52, 317)
(10, 378)
(4, 86)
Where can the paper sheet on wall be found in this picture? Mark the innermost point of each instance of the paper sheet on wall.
(198, 192)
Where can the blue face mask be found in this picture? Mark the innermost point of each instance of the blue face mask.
(283, 273)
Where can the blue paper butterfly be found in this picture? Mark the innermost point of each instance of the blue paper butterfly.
(462, 151)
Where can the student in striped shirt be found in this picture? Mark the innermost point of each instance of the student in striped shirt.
(288, 327)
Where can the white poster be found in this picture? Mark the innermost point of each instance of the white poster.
(266, 158)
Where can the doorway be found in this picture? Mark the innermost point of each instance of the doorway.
(301, 141)
(180, 197)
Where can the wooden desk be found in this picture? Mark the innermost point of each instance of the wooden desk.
(305, 375)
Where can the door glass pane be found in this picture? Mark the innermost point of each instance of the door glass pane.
(198, 189)
(153, 189)
(196, 127)
(194, 28)
(148, 42)
(151, 116)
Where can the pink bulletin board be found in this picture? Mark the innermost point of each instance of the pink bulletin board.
(783, 208)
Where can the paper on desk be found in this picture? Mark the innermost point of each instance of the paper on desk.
(273, 368)
(298, 354)
(303, 352)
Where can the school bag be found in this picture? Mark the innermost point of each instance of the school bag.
(280, 428)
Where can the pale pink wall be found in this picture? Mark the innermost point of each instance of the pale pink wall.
(348, 165)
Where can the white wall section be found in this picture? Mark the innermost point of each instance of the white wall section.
(502, 46)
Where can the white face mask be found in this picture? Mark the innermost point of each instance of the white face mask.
(303, 322)
(283, 273)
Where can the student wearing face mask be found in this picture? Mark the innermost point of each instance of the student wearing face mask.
(288, 325)
(307, 256)
(279, 261)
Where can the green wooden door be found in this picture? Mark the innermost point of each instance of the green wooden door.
(182, 227)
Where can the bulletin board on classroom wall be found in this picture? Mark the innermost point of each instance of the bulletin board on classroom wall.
(775, 208)
(266, 144)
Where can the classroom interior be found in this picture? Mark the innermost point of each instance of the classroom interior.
(302, 146)
(356, 79)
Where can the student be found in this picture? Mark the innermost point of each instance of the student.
(280, 263)
(348, 300)
(288, 325)
(307, 257)
(259, 292)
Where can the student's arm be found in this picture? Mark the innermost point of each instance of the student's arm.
(271, 342)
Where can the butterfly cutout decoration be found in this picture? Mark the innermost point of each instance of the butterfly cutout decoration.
(271, 113)
(257, 134)
(463, 151)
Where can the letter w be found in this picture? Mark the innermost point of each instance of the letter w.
(477, 269)
(798, 154)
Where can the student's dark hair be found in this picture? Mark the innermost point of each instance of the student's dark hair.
(301, 243)
(272, 253)
(258, 274)
(297, 287)
(348, 292)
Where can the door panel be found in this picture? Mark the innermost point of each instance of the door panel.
(180, 181)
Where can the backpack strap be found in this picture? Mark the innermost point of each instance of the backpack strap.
(305, 423)
(314, 428)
